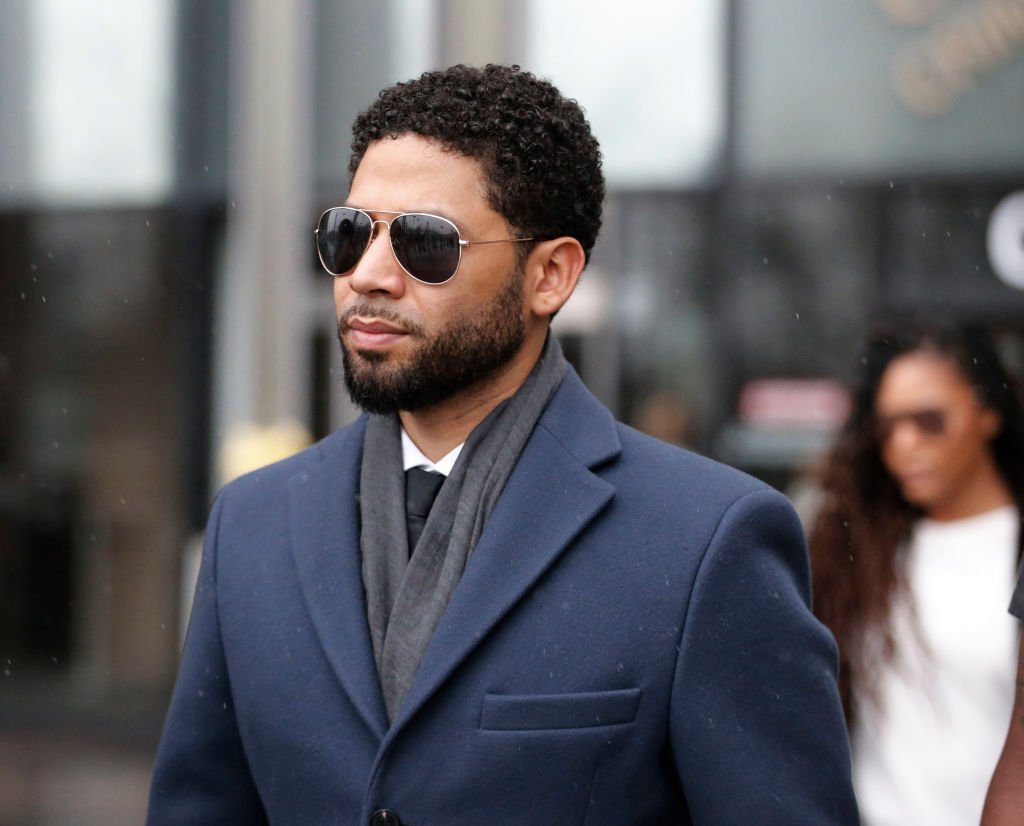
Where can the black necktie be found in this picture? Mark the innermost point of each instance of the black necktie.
(421, 487)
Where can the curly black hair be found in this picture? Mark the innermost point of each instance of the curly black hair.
(541, 162)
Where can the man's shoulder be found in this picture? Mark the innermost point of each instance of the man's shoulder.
(278, 474)
(589, 431)
(666, 463)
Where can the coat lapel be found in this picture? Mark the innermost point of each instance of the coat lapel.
(551, 496)
(325, 544)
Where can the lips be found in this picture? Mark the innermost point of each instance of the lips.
(374, 326)
(373, 333)
(913, 478)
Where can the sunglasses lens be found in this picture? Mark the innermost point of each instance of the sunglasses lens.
(342, 237)
(427, 246)
(926, 422)
(930, 422)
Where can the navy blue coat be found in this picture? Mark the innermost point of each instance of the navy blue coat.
(630, 643)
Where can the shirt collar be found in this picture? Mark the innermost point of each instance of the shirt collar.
(412, 457)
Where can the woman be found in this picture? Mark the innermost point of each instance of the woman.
(914, 551)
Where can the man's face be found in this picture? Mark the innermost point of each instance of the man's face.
(935, 436)
(408, 345)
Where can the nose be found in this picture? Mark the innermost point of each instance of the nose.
(905, 435)
(378, 272)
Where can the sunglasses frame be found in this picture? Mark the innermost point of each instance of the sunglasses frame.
(462, 243)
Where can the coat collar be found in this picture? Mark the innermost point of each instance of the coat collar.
(551, 496)
(324, 510)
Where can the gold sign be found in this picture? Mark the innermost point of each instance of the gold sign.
(964, 43)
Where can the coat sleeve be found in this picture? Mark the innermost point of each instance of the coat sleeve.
(757, 727)
(201, 774)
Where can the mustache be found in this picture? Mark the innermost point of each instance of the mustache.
(367, 310)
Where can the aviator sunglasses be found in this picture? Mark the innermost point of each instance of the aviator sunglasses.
(928, 422)
(428, 247)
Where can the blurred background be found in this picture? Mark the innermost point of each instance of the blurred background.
(781, 174)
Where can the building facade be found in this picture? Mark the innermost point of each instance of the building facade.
(781, 176)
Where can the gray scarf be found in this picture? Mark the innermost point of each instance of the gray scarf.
(406, 597)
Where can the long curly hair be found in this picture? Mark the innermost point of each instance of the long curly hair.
(541, 162)
(863, 523)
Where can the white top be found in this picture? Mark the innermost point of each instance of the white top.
(927, 756)
(412, 457)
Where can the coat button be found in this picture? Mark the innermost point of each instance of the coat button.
(385, 817)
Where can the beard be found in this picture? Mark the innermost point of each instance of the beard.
(464, 351)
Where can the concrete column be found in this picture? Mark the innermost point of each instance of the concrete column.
(476, 33)
(14, 116)
(261, 327)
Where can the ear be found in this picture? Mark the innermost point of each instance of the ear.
(552, 271)
(991, 423)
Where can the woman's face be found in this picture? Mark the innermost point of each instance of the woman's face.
(933, 432)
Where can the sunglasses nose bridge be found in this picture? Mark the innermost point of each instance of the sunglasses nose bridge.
(377, 273)
(375, 232)
(373, 228)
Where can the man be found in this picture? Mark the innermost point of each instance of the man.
(1004, 805)
(592, 626)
